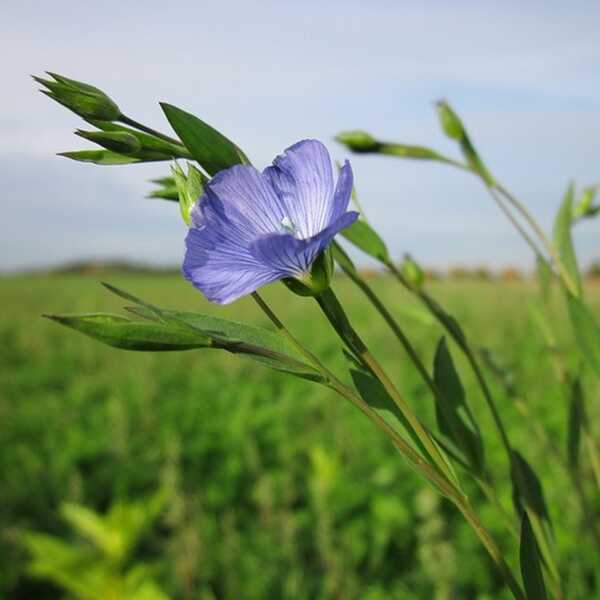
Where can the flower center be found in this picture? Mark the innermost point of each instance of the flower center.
(288, 226)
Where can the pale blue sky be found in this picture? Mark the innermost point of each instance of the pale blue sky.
(524, 76)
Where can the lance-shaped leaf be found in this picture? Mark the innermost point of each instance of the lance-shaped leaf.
(108, 157)
(531, 569)
(527, 489)
(564, 241)
(166, 190)
(165, 193)
(454, 129)
(528, 495)
(263, 345)
(213, 151)
(576, 422)
(363, 236)
(454, 417)
(120, 332)
(587, 331)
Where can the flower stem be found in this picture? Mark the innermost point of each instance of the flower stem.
(527, 216)
(417, 462)
(334, 312)
(487, 484)
(470, 356)
(466, 349)
(145, 129)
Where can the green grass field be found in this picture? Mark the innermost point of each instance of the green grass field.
(277, 488)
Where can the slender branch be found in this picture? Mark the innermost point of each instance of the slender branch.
(334, 312)
(520, 229)
(437, 479)
(464, 346)
(487, 486)
(144, 128)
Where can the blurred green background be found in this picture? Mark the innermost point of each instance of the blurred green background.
(271, 487)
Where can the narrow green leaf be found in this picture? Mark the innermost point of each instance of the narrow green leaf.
(576, 422)
(213, 151)
(528, 495)
(531, 570)
(587, 331)
(527, 488)
(120, 332)
(454, 417)
(164, 181)
(100, 157)
(165, 193)
(263, 345)
(363, 236)
(564, 241)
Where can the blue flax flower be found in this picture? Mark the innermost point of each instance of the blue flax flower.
(251, 228)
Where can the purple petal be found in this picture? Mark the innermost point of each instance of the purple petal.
(291, 257)
(303, 180)
(343, 191)
(222, 269)
(244, 198)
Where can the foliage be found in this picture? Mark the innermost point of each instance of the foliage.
(252, 511)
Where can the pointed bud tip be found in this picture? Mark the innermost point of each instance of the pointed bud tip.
(358, 141)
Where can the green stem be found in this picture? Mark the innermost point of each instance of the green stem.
(470, 356)
(158, 134)
(464, 346)
(522, 209)
(527, 216)
(487, 485)
(334, 312)
(492, 549)
(520, 229)
(437, 479)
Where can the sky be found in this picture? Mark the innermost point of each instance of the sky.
(523, 76)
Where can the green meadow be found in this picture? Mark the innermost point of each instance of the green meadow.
(274, 487)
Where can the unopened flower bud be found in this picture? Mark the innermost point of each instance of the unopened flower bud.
(117, 141)
(412, 272)
(83, 99)
(358, 141)
(449, 121)
(584, 207)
